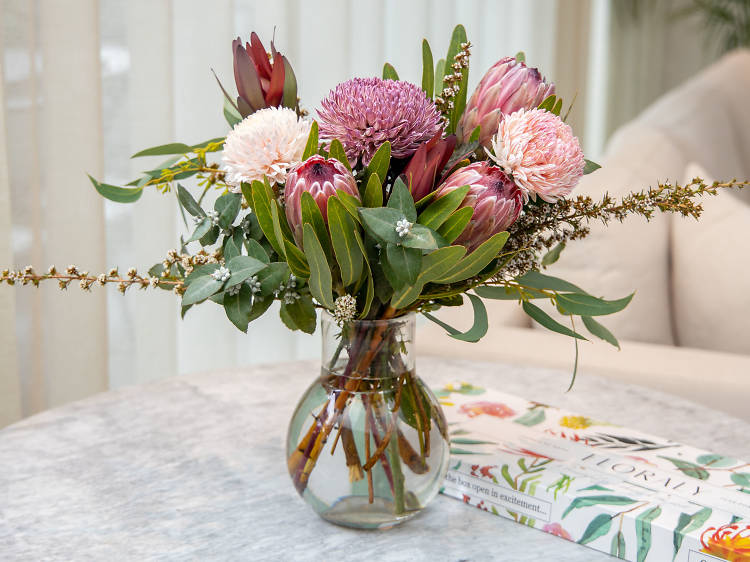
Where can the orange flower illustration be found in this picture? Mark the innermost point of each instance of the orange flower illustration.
(730, 542)
(576, 422)
(497, 409)
(557, 530)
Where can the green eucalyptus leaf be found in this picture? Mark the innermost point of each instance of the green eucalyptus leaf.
(596, 329)
(423, 238)
(302, 313)
(477, 260)
(238, 306)
(162, 149)
(590, 166)
(548, 322)
(380, 162)
(320, 280)
(210, 237)
(187, 201)
(428, 69)
(401, 200)
(440, 209)
(380, 223)
(272, 276)
(455, 224)
(242, 268)
(311, 148)
(537, 280)
(345, 246)
(553, 255)
(586, 305)
(373, 195)
(434, 265)
(260, 306)
(405, 263)
(200, 289)
(255, 250)
(200, 271)
(116, 193)
(228, 206)
(479, 327)
(500, 293)
(201, 230)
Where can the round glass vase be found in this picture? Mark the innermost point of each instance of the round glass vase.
(368, 446)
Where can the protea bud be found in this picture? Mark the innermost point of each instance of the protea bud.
(262, 80)
(428, 161)
(496, 201)
(320, 178)
(509, 85)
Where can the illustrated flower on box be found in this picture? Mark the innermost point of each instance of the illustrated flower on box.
(730, 542)
(397, 199)
(576, 422)
(557, 530)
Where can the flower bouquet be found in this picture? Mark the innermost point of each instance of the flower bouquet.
(397, 199)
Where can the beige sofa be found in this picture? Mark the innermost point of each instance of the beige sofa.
(687, 331)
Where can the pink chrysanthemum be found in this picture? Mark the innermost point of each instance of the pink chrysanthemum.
(540, 151)
(266, 143)
(363, 113)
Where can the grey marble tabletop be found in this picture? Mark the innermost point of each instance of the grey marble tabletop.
(193, 468)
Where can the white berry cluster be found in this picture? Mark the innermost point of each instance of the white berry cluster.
(344, 309)
(286, 291)
(222, 274)
(403, 227)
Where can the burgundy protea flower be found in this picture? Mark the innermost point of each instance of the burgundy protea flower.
(428, 161)
(320, 178)
(363, 113)
(509, 85)
(261, 82)
(496, 201)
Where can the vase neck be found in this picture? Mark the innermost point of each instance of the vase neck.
(372, 349)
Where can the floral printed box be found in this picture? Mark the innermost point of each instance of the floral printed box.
(620, 491)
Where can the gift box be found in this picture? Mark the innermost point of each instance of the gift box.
(624, 492)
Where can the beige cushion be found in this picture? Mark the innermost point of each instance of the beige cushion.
(711, 273)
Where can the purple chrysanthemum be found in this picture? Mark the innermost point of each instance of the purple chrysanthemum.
(363, 113)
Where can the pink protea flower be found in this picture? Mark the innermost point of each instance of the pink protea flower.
(265, 144)
(496, 201)
(364, 113)
(509, 85)
(320, 178)
(540, 151)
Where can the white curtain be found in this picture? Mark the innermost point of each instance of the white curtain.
(86, 83)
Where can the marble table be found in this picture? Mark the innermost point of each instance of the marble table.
(192, 468)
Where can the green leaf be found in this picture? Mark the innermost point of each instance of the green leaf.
(255, 250)
(380, 223)
(350, 203)
(233, 245)
(242, 268)
(455, 224)
(439, 210)
(380, 162)
(200, 271)
(689, 523)
(741, 479)
(162, 149)
(478, 328)
(289, 97)
(590, 166)
(337, 151)
(210, 237)
(401, 200)
(423, 238)
(345, 246)
(459, 100)
(688, 468)
(262, 208)
(617, 548)
(643, 531)
(477, 260)
(548, 322)
(557, 107)
(587, 501)
(215, 141)
(586, 305)
(187, 201)
(598, 527)
(311, 148)
(373, 196)
(538, 280)
(228, 205)
(439, 72)
(428, 69)
(201, 230)
(272, 276)
(260, 305)
(405, 262)
(200, 289)
(302, 313)
(434, 265)
(389, 73)
(238, 307)
(553, 255)
(320, 281)
(116, 193)
(231, 115)
(678, 535)
(370, 283)
(548, 103)
(277, 230)
(311, 215)
(596, 329)
(296, 260)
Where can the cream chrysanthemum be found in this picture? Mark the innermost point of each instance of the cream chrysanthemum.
(266, 143)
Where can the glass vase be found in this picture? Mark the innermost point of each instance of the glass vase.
(367, 446)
